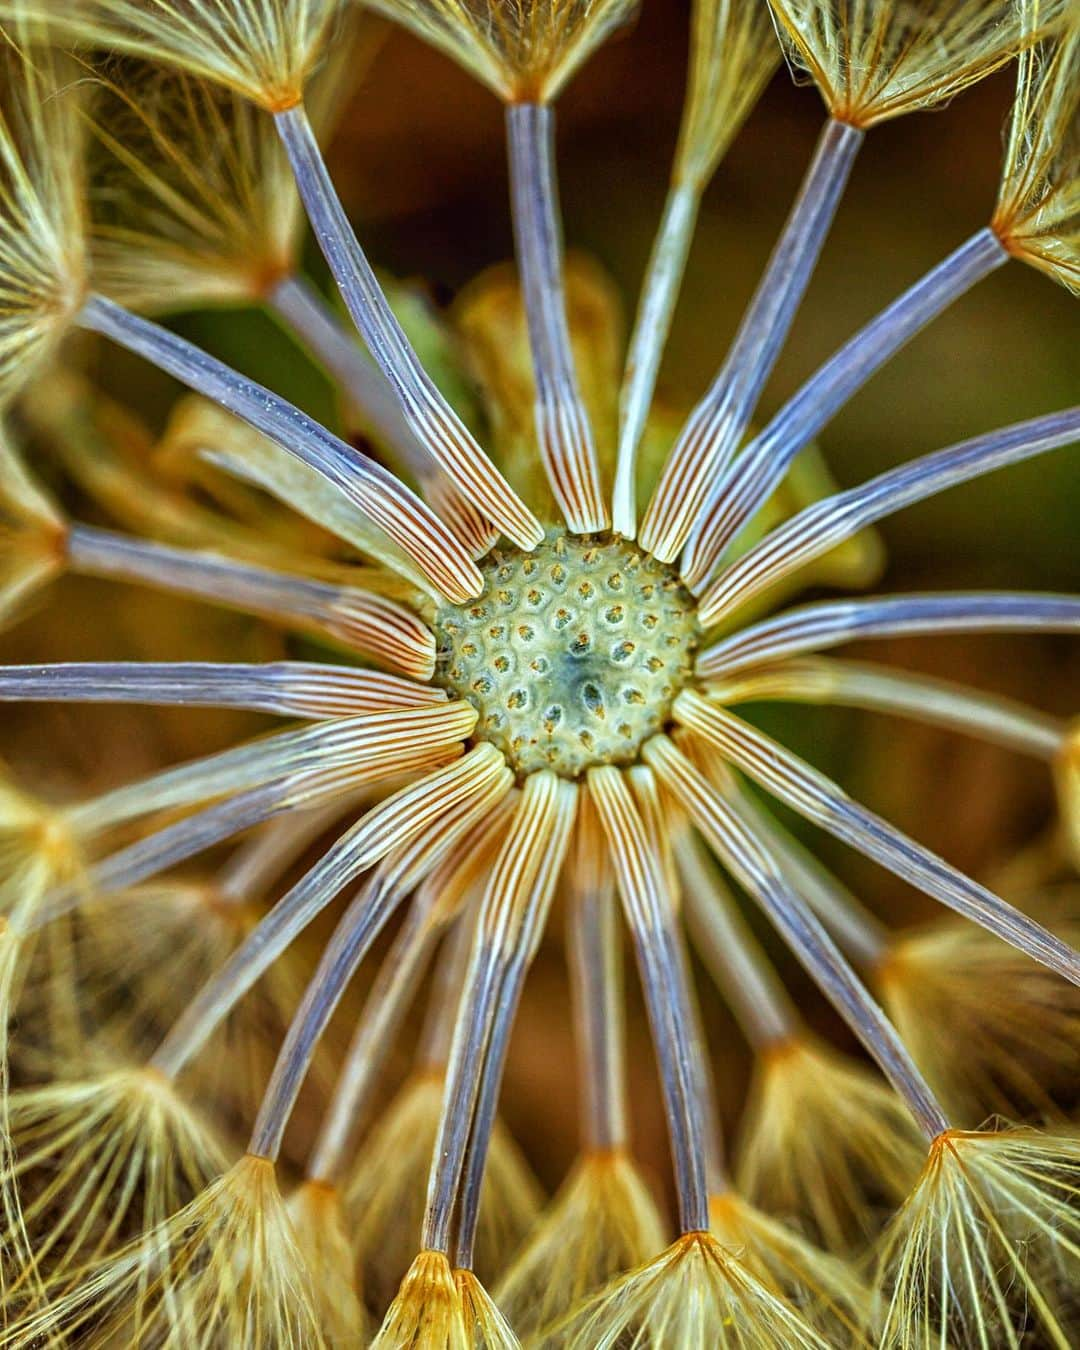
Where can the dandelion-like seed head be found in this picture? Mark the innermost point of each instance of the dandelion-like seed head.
(512, 703)
(572, 654)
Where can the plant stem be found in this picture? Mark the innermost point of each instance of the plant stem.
(735, 495)
(716, 425)
(372, 489)
(563, 432)
(433, 421)
(659, 294)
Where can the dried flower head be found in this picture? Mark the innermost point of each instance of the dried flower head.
(225, 1120)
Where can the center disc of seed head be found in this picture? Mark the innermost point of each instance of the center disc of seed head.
(572, 654)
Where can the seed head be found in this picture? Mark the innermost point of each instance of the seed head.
(572, 654)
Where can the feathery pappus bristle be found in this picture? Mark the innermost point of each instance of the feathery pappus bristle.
(827, 1142)
(317, 1217)
(43, 265)
(994, 1031)
(521, 52)
(601, 1223)
(985, 1251)
(877, 61)
(1037, 215)
(100, 1162)
(385, 1192)
(223, 1270)
(827, 1290)
(264, 49)
(695, 1294)
(427, 1313)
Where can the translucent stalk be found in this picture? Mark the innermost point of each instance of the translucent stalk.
(731, 953)
(511, 894)
(594, 959)
(660, 818)
(256, 863)
(295, 301)
(384, 1010)
(387, 632)
(825, 524)
(196, 833)
(811, 628)
(716, 426)
(534, 921)
(387, 742)
(735, 842)
(816, 797)
(649, 914)
(484, 1112)
(851, 684)
(437, 1033)
(737, 494)
(200, 831)
(283, 688)
(564, 435)
(352, 939)
(373, 490)
(358, 848)
(434, 423)
(375, 405)
(340, 865)
(860, 934)
(659, 294)
(391, 994)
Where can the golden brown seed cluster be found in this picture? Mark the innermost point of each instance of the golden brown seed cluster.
(572, 654)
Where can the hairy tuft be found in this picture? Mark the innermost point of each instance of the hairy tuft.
(986, 1251)
(875, 61)
(827, 1142)
(603, 1221)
